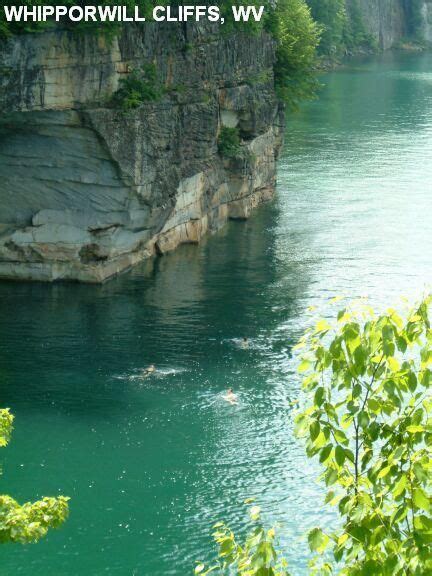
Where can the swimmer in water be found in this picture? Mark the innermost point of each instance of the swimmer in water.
(149, 370)
(245, 343)
(230, 396)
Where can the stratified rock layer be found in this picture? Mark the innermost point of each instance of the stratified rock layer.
(87, 190)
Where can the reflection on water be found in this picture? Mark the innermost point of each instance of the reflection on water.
(151, 462)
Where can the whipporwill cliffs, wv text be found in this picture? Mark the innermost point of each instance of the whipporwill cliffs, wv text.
(122, 13)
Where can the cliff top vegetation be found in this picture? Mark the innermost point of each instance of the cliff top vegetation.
(290, 23)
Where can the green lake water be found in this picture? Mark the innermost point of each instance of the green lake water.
(151, 463)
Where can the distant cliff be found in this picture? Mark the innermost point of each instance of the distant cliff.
(353, 26)
(390, 21)
(385, 20)
(90, 189)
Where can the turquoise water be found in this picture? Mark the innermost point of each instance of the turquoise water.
(151, 463)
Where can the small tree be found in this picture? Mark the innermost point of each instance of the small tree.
(368, 423)
(30, 521)
(367, 380)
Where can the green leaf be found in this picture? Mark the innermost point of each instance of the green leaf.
(325, 453)
(357, 390)
(412, 381)
(340, 455)
(421, 473)
(317, 540)
(340, 436)
(426, 378)
(360, 359)
(415, 429)
(401, 343)
(342, 539)
(322, 326)
(399, 515)
(400, 486)
(331, 476)
(301, 426)
(373, 405)
(349, 454)
(330, 495)
(320, 440)
(393, 364)
(314, 430)
(363, 419)
(421, 500)
(373, 431)
(319, 396)
(383, 472)
(304, 366)
(367, 457)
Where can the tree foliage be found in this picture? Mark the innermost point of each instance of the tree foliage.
(256, 556)
(368, 423)
(31, 521)
(331, 15)
(342, 27)
(297, 36)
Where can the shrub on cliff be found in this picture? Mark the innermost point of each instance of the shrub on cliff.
(30, 521)
(368, 422)
(139, 86)
(229, 142)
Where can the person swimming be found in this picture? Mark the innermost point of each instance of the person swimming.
(245, 343)
(149, 370)
(230, 396)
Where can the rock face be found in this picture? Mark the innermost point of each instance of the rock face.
(388, 21)
(88, 190)
(384, 20)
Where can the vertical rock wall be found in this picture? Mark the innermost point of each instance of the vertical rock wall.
(88, 190)
(389, 21)
(384, 20)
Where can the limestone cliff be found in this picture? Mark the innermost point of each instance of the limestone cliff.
(87, 190)
(390, 21)
(385, 20)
